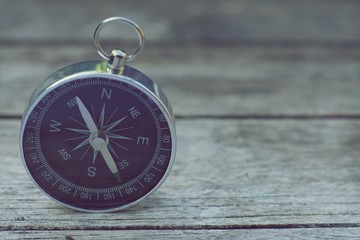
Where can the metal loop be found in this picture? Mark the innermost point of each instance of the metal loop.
(132, 24)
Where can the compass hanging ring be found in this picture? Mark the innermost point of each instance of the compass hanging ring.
(126, 21)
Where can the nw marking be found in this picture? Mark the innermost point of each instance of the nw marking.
(72, 103)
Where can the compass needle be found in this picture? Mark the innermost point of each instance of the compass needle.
(86, 116)
(99, 144)
(110, 163)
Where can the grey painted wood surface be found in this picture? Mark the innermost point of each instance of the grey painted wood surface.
(238, 175)
(267, 96)
(212, 81)
(177, 21)
(301, 234)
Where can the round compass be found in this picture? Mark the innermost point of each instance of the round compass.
(98, 135)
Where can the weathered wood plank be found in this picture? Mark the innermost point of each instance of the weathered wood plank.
(200, 80)
(204, 21)
(278, 234)
(233, 178)
(228, 174)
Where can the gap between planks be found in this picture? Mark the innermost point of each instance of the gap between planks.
(201, 227)
(301, 117)
(193, 43)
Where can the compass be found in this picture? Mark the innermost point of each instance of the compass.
(99, 136)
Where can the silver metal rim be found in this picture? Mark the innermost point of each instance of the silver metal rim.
(126, 21)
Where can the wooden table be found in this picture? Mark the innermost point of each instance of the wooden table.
(267, 100)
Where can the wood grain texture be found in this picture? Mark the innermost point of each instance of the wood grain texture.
(279, 234)
(238, 175)
(213, 81)
(176, 21)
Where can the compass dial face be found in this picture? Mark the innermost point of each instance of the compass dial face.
(97, 144)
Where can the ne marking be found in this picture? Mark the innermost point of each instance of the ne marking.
(134, 112)
(75, 192)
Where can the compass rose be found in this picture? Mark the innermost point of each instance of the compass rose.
(100, 137)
